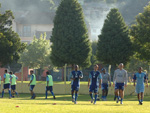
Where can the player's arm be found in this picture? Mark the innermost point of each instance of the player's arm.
(114, 78)
(90, 76)
(47, 79)
(30, 80)
(126, 78)
(146, 80)
(109, 80)
(71, 76)
(100, 80)
(134, 79)
(4, 78)
(81, 75)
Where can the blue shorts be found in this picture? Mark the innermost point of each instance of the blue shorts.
(13, 87)
(75, 88)
(50, 88)
(104, 86)
(32, 87)
(139, 88)
(7, 86)
(119, 86)
(93, 89)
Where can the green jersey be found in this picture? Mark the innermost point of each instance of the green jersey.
(33, 78)
(49, 79)
(13, 80)
(7, 78)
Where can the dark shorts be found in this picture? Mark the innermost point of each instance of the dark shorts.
(49, 88)
(93, 88)
(119, 86)
(13, 87)
(32, 87)
(74, 88)
(6, 86)
(104, 86)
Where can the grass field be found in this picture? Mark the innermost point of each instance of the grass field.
(64, 105)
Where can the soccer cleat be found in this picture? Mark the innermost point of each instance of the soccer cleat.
(94, 103)
(9, 97)
(140, 103)
(121, 102)
(34, 96)
(45, 97)
(75, 102)
(92, 100)
(54, 97)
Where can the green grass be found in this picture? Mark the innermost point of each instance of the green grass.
(64, 105)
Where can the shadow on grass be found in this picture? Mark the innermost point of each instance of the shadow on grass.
(68, 97)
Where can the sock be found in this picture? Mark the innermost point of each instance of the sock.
(2, 93)
(95, 98)
(76, 96)
(52, 93)
(121, 99)
(16, 93)
(104, 97)
(72, 96)
(91, 95)
(141, 100)
(46, 94)
(9, 93)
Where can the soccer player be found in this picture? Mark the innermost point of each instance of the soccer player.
(119, 81)
(32, 84)
(7, 78)
(75, 76)
(139, 77)
(105, 79)
(49, 85)
(94, 83)
(13, 84)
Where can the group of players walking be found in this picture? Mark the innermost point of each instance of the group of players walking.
(96, 80)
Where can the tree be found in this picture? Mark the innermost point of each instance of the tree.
(114, 45)
(10, 44)
(36, 55)
(140, 33)
(70, 43)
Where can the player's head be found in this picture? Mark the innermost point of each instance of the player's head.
(140, 69)
(121, 66)
(11, 72)
(5, 71)
(47, 73)
(31, 72)
(96, 67)
(76, 67)
(104, 70)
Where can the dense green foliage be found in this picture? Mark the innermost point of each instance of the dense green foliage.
(114, 45)
(70, 43)
(10, 44)
(36, 55)
(140, 33)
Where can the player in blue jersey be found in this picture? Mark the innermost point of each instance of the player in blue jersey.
(75, 76)
(6, 82)
(94, 83)
(139, 77)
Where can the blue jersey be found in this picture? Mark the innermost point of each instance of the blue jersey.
(76, 76)
(140, 77)
(94, 77)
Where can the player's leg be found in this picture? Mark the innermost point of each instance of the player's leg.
(139, 98)
(32, 93)
(51, 90)
(106, 93)
(121, 92)
(91, 93)
(95, 91)
(76, 96)
(117, 95)
(72, 93)
(46, 92)
(9, 90)
(103, 94)
(2, 93)
(142, 96)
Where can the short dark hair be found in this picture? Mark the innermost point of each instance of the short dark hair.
(11, 72)
(6, 71)
(47, 72)
(31, 71)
